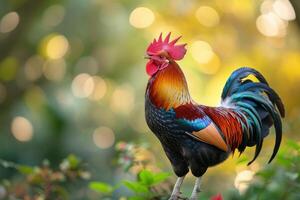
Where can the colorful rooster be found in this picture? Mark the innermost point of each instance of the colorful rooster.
(195, 136)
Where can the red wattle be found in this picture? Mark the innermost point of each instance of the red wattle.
(151, 68)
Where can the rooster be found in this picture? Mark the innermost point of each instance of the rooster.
(194, 136)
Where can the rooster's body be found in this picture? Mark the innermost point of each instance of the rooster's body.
(195, 136)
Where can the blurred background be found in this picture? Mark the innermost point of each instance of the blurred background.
(72, 78)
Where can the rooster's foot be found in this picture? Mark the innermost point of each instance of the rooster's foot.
(177, 197)
(176, 190)
(196, 190)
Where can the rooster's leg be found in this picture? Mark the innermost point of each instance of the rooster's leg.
(176, 190)
(196, 190)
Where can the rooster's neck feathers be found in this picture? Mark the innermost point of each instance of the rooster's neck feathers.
(168, 88)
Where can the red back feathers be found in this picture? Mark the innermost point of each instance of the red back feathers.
(176, 52)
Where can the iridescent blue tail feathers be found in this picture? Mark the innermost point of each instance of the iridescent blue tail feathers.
(259, 104)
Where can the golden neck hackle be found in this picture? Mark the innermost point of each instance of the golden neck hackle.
(169, 88)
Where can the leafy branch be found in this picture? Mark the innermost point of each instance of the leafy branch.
(143, 188)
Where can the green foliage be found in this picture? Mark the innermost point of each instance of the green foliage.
(25, 169)
(142, 188)
(279, 180)
(136, 187)
(71, 162)
(149, 179)
(101, 187)
(44, 182)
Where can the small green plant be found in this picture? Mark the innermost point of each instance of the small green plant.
(136, 160)
(43, 182)
(279, 180)
(145, 187)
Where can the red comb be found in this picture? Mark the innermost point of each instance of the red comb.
(176, 52)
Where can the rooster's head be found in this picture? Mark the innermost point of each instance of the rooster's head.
(160, 52)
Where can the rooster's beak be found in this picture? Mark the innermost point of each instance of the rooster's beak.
(147, 57)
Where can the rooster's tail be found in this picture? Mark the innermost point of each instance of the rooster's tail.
(259, 104)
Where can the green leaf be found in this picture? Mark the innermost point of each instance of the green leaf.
(136, 187)
(242, 160)
(293, 145)
(266, 174)
(25, 169)
(136, 198)
(160, 177)
(73, 161)
(146, 177)
(101, 187)
(283, 160)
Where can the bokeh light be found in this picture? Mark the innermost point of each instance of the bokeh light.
(55, 46)
(201, 52)
(266, 6)
(284, 9)
(22, 129)
(243, 179)
(270, 25)
(54, 70)
(103, 137)
(82, 85)
(9, 22)
(33, 68)
(122, 100)
(273, 21)
(141, 17)
(99, 89)
(207, 16)
(212, 66)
